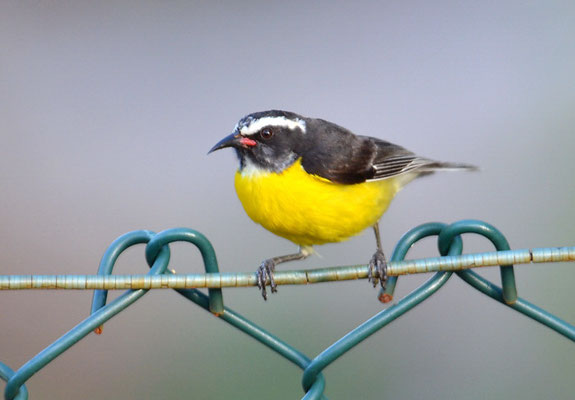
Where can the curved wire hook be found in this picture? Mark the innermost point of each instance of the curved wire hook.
(101, 314)
(6, 373)
(109, 259)
(384, 317)
(216, 303)
(498, 240)
(505, 293)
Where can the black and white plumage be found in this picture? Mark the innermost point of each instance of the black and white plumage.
(313, 182)
(328, 150)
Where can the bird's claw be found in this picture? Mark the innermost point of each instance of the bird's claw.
(377, 269)
(265, 272)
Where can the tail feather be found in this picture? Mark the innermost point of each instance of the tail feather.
(446, 166)
(429, 167)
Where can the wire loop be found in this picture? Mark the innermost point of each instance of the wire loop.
(163, 238)
(313, 382)
(386, 316)
(498, 240)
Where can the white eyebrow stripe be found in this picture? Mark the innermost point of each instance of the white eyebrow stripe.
(283, 122)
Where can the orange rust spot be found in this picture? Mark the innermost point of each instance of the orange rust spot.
(385, 298)
(98, 330)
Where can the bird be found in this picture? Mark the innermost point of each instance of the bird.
(313, 182)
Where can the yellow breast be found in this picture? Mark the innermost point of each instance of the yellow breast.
(308, 209)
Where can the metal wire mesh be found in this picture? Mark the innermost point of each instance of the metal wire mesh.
(313, 382)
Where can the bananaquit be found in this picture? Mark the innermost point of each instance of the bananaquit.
(314, 182)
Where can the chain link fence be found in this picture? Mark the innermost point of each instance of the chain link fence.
(157, 252)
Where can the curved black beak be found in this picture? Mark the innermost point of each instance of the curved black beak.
(232, 140)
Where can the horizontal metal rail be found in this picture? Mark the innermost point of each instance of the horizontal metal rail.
(294, 277)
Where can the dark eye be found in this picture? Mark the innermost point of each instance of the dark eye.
(266, 133)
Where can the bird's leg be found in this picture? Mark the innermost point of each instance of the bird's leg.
(377, 265)
(266, 270)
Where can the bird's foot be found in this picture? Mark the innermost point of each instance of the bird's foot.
(265, 272)
(377, 269)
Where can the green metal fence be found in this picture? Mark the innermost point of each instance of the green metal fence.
(157, 253)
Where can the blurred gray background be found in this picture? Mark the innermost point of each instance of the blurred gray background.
(107, 111)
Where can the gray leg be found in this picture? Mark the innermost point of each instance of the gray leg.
(266, 270)
(377, 265)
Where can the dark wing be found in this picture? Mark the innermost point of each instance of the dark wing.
(392, 160)
(336, 154)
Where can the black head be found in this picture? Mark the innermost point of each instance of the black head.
(268, 140)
